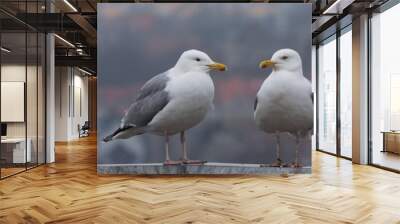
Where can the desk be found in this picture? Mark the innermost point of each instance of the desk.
(16, 147)
(391, 141)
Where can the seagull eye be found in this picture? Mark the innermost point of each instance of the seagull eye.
(197, 59)
(284, 57)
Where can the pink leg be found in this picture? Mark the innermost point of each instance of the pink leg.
(185, 159)
(168, 161)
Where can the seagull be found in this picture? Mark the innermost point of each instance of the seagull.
(284, 102)
(172, 102)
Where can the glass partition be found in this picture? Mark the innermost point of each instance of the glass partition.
(346, 93)
(14, 153)
(41, 96)
(327, 95)
(31, 100)
(385, 89)
(22, 101)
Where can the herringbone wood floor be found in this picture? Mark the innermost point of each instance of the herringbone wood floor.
(70, 191)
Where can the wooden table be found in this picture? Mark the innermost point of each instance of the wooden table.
(391, 141)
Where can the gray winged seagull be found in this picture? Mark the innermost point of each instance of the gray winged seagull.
(172, 102)
(284, 102)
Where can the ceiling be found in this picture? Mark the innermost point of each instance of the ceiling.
(75, 22)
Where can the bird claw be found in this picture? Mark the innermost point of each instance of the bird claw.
(278, 163)
(193, 162)
(296, 165)
(171, 163)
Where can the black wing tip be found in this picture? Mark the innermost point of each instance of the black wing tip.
(116, 132)
(108, 138)
(255, 104)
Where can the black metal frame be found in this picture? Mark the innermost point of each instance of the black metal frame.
(369, 90)
(338, 98)
(316, 98)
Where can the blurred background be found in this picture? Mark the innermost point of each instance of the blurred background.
(138, 41)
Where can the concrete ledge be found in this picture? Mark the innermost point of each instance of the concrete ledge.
(207, 168)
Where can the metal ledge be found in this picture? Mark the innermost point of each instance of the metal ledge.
(208, 168)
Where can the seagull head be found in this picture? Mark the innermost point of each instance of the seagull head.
(195, 60)
(284, 59)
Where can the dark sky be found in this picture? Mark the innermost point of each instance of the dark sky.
(138, 41)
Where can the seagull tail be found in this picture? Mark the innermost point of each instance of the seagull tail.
(124, 132)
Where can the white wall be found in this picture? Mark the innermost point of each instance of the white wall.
(17, 73)
(79, 110)
(71, 93)
(33, 126)
(61, 103)
(12, 101)
(14, 73)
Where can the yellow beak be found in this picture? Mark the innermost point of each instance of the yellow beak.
(217, 66)
(266, 63)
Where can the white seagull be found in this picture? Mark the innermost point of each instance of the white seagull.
(172, 102)
(284, 102)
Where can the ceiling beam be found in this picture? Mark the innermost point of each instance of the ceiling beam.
(338, 6)
(79, 61)
(86, 27)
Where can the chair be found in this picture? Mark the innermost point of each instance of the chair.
(84, 130)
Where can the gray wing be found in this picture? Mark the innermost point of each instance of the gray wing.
(151, 99)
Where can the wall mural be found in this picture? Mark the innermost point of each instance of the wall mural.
(218, 88)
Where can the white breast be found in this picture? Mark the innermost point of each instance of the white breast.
(192, 85)
(284, 104)
(190, 95)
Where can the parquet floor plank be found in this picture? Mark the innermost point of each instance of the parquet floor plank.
(70, 191)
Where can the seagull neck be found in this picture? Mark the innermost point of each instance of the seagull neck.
(176, 71)
(297, 71)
